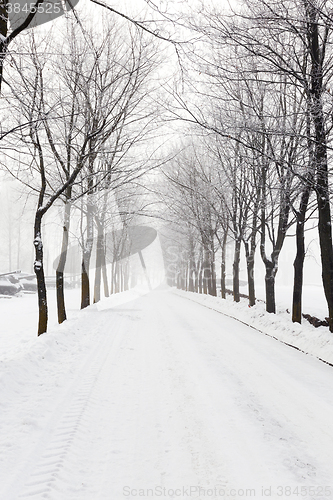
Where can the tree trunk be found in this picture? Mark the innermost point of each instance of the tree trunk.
(190, 278)
(18, 244)
(325, 240)
(61, 308)
(200, 273)
(201, 289)
(10, 243)
(122, 277)
(62, 262)
(112, 278)
(39, 271)
(320, 157)
(183, 277)
(300, 256)
(250, 273)
(85, 286)
(270, 287)
(195, 281)
(204, 282)
(87, 249)
(271, 264)
(213, 275)
(196, 277)
(223, 264)
(105, 275)
(116, 278)
(207, 275)
(126, 275)
(186, 276)
(3, 33)
(191, 285)
(99, 259)
(236, 270)
(298, 274)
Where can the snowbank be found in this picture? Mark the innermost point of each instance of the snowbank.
(316, 342)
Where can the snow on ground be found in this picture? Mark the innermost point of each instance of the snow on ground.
(19, 318)
(317, 342)
(155, 395)
(313, 298)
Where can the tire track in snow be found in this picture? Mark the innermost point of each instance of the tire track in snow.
(42, 470)
(203, 460)
(163, 438)
(163, 401)
(270, 423)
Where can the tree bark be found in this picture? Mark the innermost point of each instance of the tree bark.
(99, 259)
(236, 270)
(191, 273)
(206, 272)
(213, 290)
(61, 309)
(112, 287)
(121, 274)
(200, 277)
(298, 274)
(126, 275)
(183, 277)
(85, 286)
(39, 271)
(186, 272)
(116, 278)
(196, 277)
(300, 256)
(271, 265)
(250, 252)
(86, 254)
(320, 157)
(270, 287)
(3, 33)
(105, 275)
(223, 264)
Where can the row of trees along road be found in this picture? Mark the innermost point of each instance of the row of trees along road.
(256, 92)
(80, 108)
(259, 89)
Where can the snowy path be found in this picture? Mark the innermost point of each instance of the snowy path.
(158, 397)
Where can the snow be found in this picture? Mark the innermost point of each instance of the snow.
(313, 298)
(37, 240)
(158, 395)
(317, 342)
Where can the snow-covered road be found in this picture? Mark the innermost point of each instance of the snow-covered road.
(160, 397)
